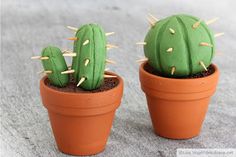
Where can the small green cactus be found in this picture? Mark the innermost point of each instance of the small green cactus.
(53, 64)
(179, 45)
(90, 60)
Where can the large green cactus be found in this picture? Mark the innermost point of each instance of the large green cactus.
(53, 64)
(179, 45)
(89, 63)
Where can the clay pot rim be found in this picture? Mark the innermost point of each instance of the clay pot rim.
(42, 82)
(216, 72)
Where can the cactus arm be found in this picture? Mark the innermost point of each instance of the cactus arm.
(91, 47)
(56, 63)
(95, 51)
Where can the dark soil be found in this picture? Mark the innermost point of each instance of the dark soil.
(210, 70)
(108, 84)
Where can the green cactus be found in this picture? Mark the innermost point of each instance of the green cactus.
(53, 64)
(90, 60)
(179, 45)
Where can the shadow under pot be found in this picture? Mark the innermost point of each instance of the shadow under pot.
(177, 106)
(81, 122)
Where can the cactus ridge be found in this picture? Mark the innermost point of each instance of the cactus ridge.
(179, 42)
(186, 39)
(55, 64)
(89, 62)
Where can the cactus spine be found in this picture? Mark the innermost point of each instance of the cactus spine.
(179, 45)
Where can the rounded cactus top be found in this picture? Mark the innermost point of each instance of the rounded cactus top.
(179, 45)
(89, 63)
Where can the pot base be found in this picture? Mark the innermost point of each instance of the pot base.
(176, 138)
(85, 151)
(177, 107)
(176, 119)
(81, 136)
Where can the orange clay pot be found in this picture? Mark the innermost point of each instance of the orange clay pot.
(177, 106)
(81, 122)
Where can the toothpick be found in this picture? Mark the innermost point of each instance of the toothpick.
(203, 65)
(142, 60)
(86, 62)
(195, 25)
(109, 76)
(85, 42)
(73, 38)
(218, 34)
(172, 31)
(40, 57)
(44, 58)
(205, 44)
(211, 21)
(81, 81)
(68, 71)
(109, 33)
(69, 54)
(48, 72)
(111, 46)
(141, 43)
(72, 28)
(173, 70)
(151, 22)
(110, 61)
(44, 72)
(153, 17)
(67, 51)
(40, 72)
(169, 49)
(36, 57)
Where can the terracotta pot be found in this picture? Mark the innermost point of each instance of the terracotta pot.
(177, 106)
(81, 122)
